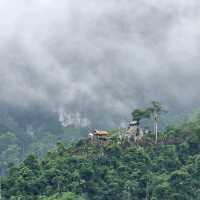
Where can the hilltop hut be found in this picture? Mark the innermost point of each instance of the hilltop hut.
(98, 136)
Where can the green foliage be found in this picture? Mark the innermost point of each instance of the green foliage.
(30, 129)
(63, 196)
(14, 149)
(169, 170)
(139, 114)
(155, 109)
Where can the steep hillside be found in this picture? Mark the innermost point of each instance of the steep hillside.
(30, 130)
(169, 170)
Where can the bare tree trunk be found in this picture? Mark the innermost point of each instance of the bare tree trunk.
(156, 132)
(156, 119)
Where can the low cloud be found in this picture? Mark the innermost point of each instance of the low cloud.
(99, 58)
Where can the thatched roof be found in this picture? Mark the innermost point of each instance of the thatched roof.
(101, 133)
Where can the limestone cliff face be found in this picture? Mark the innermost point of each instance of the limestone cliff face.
(134, 131)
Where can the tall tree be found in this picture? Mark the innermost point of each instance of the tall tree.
(156, 110)
(139, 114)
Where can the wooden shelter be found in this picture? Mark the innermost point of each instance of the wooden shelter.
(98, 136)
(101, 133)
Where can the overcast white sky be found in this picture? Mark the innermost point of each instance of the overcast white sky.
(99, 56)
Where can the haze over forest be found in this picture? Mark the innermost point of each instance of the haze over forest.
(99, 99)
(99, 58)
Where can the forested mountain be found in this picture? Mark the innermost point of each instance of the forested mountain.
(30, 130)
(71, 71)
(168, 170)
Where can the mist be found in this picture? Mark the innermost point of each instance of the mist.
(99, 59)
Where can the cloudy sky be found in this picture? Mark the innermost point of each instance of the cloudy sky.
(100, 57)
